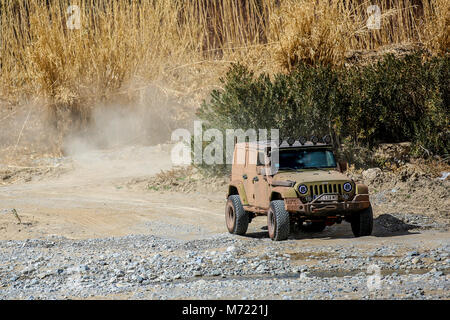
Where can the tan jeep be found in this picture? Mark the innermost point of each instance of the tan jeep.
(304, 188)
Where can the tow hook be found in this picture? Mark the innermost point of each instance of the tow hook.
(307, 223)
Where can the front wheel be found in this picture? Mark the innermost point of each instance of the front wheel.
(362, 222)
(278, 221)
(236, 217)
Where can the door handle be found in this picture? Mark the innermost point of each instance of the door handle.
(255, 179)
(244, 176)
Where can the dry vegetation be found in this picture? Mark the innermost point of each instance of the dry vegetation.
(185, 46)
(184, 179)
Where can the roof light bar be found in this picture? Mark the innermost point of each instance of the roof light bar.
(327, 139)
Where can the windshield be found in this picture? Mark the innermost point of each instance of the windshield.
(293, 159)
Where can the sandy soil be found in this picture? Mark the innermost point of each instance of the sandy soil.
(93, 200)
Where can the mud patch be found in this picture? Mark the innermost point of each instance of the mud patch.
(310, 255)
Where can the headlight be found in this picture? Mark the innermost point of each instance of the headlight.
(302, 189)
(347, 187)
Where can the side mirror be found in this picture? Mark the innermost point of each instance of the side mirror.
(343, 165)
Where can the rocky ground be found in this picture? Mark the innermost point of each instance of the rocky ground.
(219, 267)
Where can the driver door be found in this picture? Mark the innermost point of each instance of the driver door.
(261, 184)
(249, 176)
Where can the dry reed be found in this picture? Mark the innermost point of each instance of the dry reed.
(185, 46)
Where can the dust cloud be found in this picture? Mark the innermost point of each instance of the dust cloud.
(149, 121)
(125, 140)
(121, 140)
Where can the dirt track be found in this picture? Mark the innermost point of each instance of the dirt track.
(95, 200)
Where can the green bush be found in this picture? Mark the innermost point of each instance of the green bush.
(394, 100)
(397, 100)
(305, 101)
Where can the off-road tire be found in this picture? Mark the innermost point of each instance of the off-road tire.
(278, 221)
(236, 217)
(314, 227)
(362, 222)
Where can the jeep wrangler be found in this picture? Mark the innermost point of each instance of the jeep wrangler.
(303, 187)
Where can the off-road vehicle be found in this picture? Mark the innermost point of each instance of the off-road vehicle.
(303, 187)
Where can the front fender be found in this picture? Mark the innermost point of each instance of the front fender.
(362, 189)
(284, 192)
(362, 195)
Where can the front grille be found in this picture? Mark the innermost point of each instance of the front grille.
(318, 189)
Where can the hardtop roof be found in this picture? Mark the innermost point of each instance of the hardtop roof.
(261, 145)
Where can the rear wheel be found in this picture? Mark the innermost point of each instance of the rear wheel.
(236, 217)
(278, 221)
(362, 222)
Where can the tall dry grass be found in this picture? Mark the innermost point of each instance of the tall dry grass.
(325, 31)
(185, 46)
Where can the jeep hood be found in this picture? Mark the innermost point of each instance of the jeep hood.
(311, 176)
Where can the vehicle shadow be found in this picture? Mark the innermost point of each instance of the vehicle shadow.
(384, 225)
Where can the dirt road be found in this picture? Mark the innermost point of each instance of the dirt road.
(96, 200)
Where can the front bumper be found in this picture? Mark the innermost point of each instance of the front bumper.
(359, 202)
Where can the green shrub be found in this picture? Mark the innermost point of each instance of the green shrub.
(394, 100)
(305, 101)
(397, 100)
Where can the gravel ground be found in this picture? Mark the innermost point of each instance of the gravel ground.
(219, 267)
